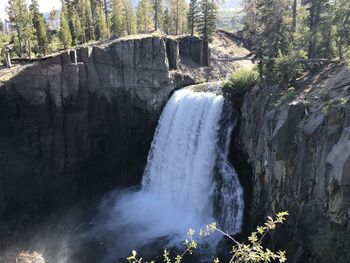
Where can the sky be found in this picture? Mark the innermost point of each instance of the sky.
(45, 6)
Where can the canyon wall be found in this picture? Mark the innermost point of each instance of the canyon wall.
(298, 147)
(81, 122)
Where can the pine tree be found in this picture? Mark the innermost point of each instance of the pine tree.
(144, 16)
(207, 19)
(178, 15)
(341, 20)
(101, 26)
(40, 27)
(79, 31)
(192, 16)
(117, 19)
(158, 12)
(315, 8)
(105, 6)
(21, 21)
(167, 22)
(130, 18)
(88, 24)
(65, 33)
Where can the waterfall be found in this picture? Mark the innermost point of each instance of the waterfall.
(179, 187)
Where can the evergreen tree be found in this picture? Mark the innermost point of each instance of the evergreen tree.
(167, 22)
(105, 6)
(2, 27)
(65, 33)
(144, 16)
(40, 27)
(101, 26)
(158, 12)
(117, 19)
(192, 16)
(79, 31)
(21, 21)
(88, 24)
(207, 19)
(178, 15)
(130, 18)
(315, 8)
(341, 21)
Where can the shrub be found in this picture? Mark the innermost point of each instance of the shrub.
(287, 68)
(252, 251)
(238, 84)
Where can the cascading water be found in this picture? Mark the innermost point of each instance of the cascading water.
(178, 186)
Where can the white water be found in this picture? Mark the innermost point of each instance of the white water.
(178, 185)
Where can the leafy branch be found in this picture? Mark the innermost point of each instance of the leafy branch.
(253, 251)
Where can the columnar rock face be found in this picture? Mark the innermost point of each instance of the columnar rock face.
(82, 121)
(196, 49)
(299, 150)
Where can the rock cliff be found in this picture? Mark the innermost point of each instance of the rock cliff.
(298, 145)
(82, 121)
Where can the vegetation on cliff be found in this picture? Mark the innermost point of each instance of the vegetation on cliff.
(237, 85)
(86, 21)
(279, 31)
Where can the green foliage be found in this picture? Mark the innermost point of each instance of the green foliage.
(79, 32)
(40, 28)
(21, 21)
(144, 16)
(130, 18)
(331, 247)
(158, 12)
(87, 20)
(177, 9)
(4, 40)
(238, 84)
(101, 25)
(207, 19)
(287, 68)
(65, 34)
(193, 16)
(278, 29)
(252, 251)
(167, 24)
(117, 18)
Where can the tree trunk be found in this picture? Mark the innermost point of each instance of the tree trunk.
(177, 18)
(294, 24)
(205, 22)
(106, 17)
(315, 10)
(155, 15)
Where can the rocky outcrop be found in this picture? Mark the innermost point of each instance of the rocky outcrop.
(299, 148)
(197, 50)
(82, 121)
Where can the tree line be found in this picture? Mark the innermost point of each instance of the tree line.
(297, 28)
(85, 21)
